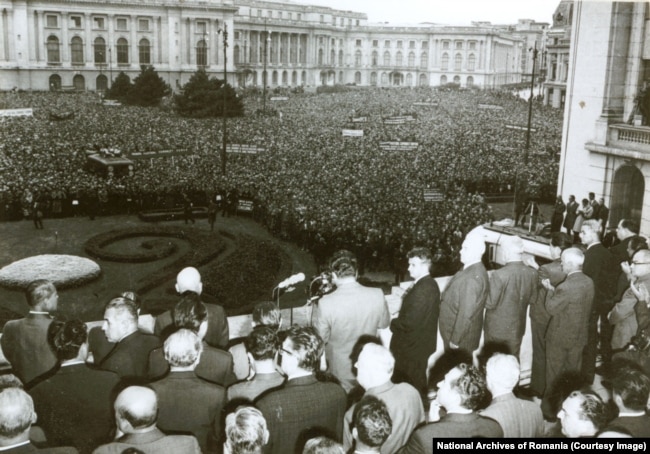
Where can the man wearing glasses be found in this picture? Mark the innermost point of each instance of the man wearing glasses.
(303, 402)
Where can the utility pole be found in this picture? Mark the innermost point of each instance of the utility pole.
(266, 42)
(223, 88)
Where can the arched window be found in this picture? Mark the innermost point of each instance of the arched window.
(373, 79)
(384, 78)
(386, 60)
(357, 78)
(294, 78)
(340, 77)
(320, 57)
(144, 52)
(471, 62)
(409, 79)
(375, 57)
(458, 62)
(445, 62)
(398, 59)
(457, 80)
(303, 77)
(100, 50)
(357, 58)
(332, 57)
(470, 81)
(235, 54)
(443, 80)
(77, 51)
(411, 59)
(423, 80)
(285, 78)
(627, 194)
(202, 53)
(424, 60)
(122, 51)
(55, 82)
(340, 58)
(274, 78)
(79, 82)
(53, 53)
(101, 83)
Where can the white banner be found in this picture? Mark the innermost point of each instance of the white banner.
(17, 112)
(353, 133)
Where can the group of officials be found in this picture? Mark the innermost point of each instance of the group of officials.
(181, 385)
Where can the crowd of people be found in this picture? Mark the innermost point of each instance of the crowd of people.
(308, 181)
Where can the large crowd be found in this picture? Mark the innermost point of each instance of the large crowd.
(310, 183)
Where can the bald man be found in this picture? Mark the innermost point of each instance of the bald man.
(136, 409)
(189, 280)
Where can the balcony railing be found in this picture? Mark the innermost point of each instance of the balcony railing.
(629, 137)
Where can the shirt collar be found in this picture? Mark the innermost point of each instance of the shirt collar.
(7, 448)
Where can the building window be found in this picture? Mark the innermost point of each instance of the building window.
(333, 20)
(459, 45)
(387, 43)
(202, 53)
(445, 45)
(121, 23)
(269, 14)
(425, 44)
(51, 21)
(357, 58)
(299, 16)
(373, 78)
(358, 43)
(201, 28)
(471, 62)
(357, 22)
(411, 44)
(342, 22)
(445, 62)
(100, 50)
(321, 40)
(386, 58)
(458, 62)
(411, 59)
(53, 54)
(340, 58)
(259, 13)
(322, 19)
(98, 23)
(143, 25)
(122, 51)
(77, 51)
(399, 44)
(375, 43)
(279, 14)
(472, 45)
(398, 59)
(236, 35)
(424, 60)
(75, 21)
(144, 52)
(375, 57)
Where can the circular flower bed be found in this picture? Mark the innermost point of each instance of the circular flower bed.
(63, 270)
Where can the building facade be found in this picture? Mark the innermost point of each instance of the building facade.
(606, 138)
(84, 44)
(556, 59)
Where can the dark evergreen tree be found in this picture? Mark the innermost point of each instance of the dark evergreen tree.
(120, 87)
(203, 97)
(148, 88)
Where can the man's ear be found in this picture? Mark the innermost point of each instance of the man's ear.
(177, 290)
(266, 437)
(355, 433)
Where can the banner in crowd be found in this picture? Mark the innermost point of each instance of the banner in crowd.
(279, 98)
(490, 106)
(399, 119)
(244, 148)
(353, 133)
(398, 146)
(17, 112)
(61, 116)
(245, 205)
(111, 102)
(521, 128)
(433, 195)
(361, 119)
(425, 103)
(159, 153)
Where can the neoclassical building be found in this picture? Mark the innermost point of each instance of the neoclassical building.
(606, 138)
(84, 44)
(556, 56)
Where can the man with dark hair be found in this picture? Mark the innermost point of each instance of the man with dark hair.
(582, 415)
(630, 393)
(462, 393)
(344, 315)
(415, 330)
(303, 402)
(187, 403)
(136, 410)
(215, 365)
(570, 218)
(372, 425)
(262, 345)
(130, 355)
(24, 341)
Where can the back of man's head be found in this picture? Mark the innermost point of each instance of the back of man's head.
(572, 259)
(39, 293)
(375, 366)
(262, 343)
(594, 227)
(308, 346)
(125, 312)
(183, 349)
(136, 408)
(422, 253)
(190, 312)
(246, 431)
(67, 338)
(501, 374)
(471, 387)
(267, 313)
(372, 422)
(344, 264)
(630, 388)
(631, 225)
(323, 445)
(513, 248)
(189, 279)
(16, 414)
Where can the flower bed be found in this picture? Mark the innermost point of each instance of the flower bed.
(64, 271)
(150, 251)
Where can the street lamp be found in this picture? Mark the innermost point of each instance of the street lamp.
(267, 39)
(224, 33)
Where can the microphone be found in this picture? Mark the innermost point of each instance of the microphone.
(292, 280)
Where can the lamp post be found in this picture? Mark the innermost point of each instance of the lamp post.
(110, 64)
(224, 33)
(267, 38)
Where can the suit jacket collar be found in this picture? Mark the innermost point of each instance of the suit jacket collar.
(381, 388)
(181, 375)
(142, 438)
(460, 417)
(504, 397)
(39, 316)
(302, 381)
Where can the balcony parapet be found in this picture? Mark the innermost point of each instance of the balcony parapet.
(625, 141)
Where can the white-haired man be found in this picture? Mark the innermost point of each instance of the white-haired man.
(246, 432)
(517, 417)
(189, 280)
(186, 402)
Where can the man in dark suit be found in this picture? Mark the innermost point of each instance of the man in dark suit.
(74, 405)
(24, 341)
(567, 334)
(512, 288)
(130, 355)
(341, 317)
(570, 218)
(558, 214)
(187, 403)
(600, 266)
(603, 213)
(303, 402)
(215, 365)
(136, 409)
(625, 231)
(189, 280)
(461, 393)
(630, 390)
(415, 330)
(464, 298)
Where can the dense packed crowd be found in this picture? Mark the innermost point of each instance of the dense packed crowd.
(310, 182)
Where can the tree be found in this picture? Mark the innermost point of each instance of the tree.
(204, 97)
(148, 88)
(120, 87)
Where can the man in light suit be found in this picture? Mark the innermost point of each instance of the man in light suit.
(415, 330)
(24, 342)
(512, 289)
(517, 417)
(569, 307)
(341, 317)
(189, 280)
(303, 402)
(136, 409)
(464, 299)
